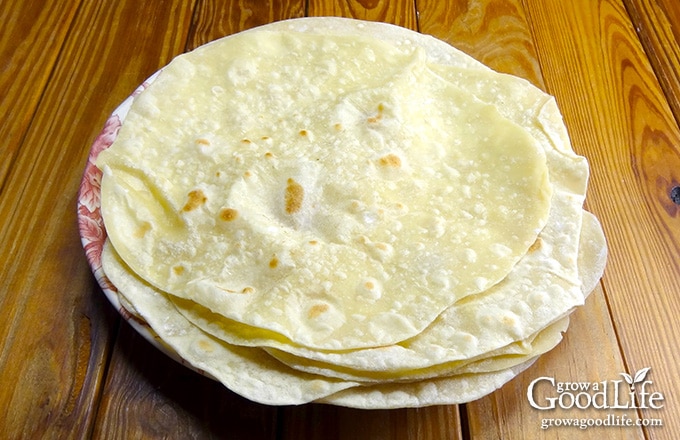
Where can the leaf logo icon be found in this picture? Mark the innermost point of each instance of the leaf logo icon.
(628, 379)
(639, 377)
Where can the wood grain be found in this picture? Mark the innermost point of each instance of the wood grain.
(214, 19)
(148, 395)
(323, 422)
(657, 26)
(30, 41)
(55, 333)
(53, 357)
(400, 12)
(619, 118)
(494, 32)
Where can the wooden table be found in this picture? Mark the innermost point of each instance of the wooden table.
(71, 368)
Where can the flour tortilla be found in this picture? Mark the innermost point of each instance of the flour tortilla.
(463, 388)
(592, 257)
(502, 358)
(350, 217)
(488, 316)
(467, 387)
(509, 307)
(537, 292)
(464, 332)
(249, 372)
(592, 247)
(448, 390)
(255, 375)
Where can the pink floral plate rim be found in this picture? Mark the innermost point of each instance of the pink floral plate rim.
(91, 224)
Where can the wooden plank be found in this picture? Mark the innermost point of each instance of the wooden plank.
(619, 119)
(55, 327)
(55, 345)
(324, 422)
(213, 20)
(658, 26)
(494, 32)
(401, 12)
(148, 395)
(32, 35)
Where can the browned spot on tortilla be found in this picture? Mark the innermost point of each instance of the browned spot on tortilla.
(202, 141)
(247, 174)
(313, 242)
(195, 199)
(381, 246)
(390, 160)
(317, 310)
(507, 320)
(273, 263)
(205, 345)
(246, 141)
(218, 174)
(378, 116)
(369, 285)
(265, 138)
(228, 214)
(247, 290)
(143, 228)
(294, 196)
(338, 126)
(303, 132)
(268, 155)
(536, 245)
(179, 269)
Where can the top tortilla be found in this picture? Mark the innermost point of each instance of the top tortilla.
(269, 178)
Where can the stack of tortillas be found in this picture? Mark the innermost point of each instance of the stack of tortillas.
(347, 212)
